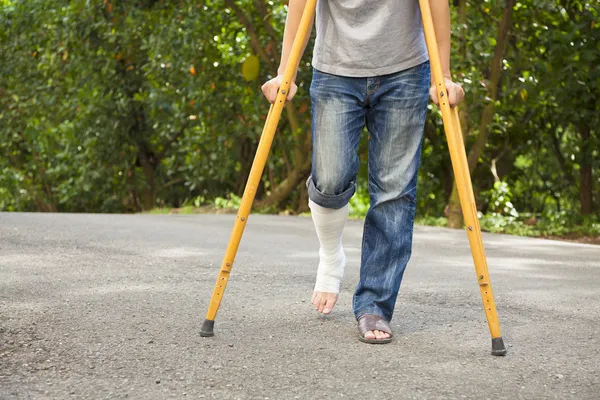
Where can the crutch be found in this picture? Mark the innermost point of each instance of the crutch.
(463, 182)
(258, 166)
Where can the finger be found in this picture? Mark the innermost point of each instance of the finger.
(433, 95)
(272, 93)
(452, 95)
(276, 85)
(264, 90)
(292, 93)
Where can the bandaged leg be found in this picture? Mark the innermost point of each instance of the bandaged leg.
(329, 224)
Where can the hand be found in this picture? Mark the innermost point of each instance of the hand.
(271, 88)
(456, 94)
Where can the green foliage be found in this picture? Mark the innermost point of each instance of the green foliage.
(125, 106)
(553, 226)
(359, 203)
(432, 221)
(498, 199)
(129, 106)
(233, 202)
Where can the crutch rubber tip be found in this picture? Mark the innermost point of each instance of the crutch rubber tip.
(498, 348)
(207, 329)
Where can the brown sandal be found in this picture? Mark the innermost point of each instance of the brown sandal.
(371, 322)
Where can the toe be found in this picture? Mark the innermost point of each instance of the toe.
(381, 335)
(322, 304)
(314, 298)
(330, 302)
(370, 335)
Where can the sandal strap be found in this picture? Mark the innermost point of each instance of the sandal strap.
(371, 322)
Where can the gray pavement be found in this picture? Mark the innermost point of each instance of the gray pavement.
(110, 306)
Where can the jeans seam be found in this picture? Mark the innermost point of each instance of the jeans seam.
(364, 241)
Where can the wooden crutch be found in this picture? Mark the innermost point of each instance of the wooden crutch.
(463, 181)
(258, 166)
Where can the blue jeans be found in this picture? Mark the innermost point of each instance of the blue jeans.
(393, 108)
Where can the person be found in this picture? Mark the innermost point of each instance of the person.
(370, 69)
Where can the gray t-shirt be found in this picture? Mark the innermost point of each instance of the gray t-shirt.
(362, 38)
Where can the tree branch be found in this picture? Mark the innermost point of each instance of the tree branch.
(167, 146)
(561, 159)
(266, 16)
(245, 21)
(488, 111)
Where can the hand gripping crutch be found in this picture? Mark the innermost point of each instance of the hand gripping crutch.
(463, 182)
(257, 168)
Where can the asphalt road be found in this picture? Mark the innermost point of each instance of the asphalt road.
(110, 306)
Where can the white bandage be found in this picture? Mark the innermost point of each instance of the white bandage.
(329, 224)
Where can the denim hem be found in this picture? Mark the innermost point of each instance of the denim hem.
(335, 201)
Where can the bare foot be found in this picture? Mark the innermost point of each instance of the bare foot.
(324, 301)
(376, 335)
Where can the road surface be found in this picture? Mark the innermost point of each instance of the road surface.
(110, 306)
